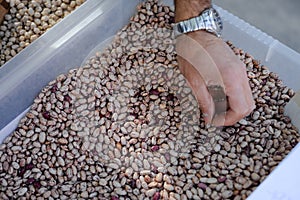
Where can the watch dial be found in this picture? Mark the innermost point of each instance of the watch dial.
(218, 20)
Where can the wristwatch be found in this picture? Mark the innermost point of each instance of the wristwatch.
(208, 20)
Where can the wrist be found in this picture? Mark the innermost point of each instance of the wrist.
(186, 9)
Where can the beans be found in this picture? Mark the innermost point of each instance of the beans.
(127, 124)
(38, 17)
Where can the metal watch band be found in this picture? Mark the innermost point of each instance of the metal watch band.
(192, 24)
(208, 20)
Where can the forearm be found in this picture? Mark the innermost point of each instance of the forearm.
(185, 9)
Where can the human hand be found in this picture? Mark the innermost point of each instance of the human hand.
(206, 60)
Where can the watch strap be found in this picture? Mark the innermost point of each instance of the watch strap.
(205, 21)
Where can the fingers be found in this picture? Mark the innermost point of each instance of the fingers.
(238, 91)
(199, 89)
(219, 120)
(232, 116)
(211, 62)
(240, 100)
(241, 105)
(205, 101)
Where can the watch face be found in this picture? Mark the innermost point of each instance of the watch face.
(217, 20)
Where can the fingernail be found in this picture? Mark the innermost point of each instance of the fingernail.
(205, 115)
(207, 119)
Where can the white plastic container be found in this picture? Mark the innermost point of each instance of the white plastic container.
(68, 43)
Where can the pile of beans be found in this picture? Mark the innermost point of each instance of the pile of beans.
(29, 19)
(127, 126)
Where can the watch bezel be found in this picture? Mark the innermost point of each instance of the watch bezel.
(218, 24)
